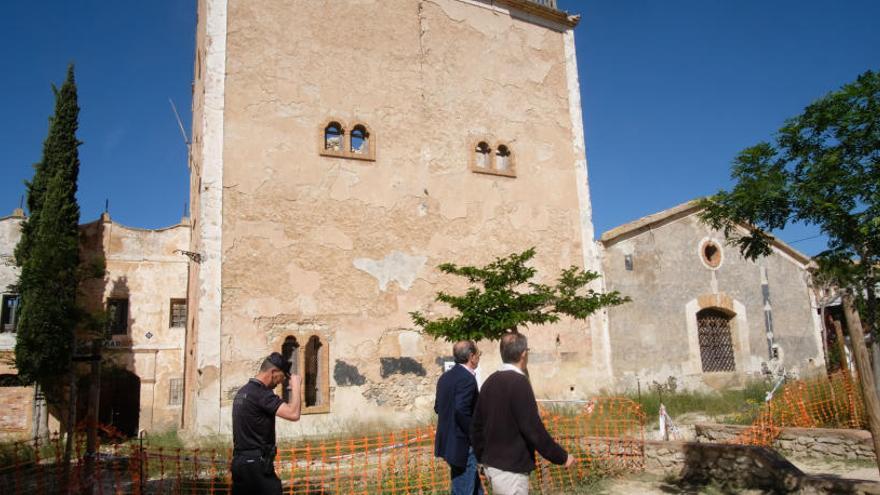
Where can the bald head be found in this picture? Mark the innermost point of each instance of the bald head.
(513, 345)
(463, 350)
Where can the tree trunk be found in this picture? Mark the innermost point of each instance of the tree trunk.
(71, 426)
(92, 417)
(866, 377)
(40, 415)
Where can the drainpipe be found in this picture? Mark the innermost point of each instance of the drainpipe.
(768, 312)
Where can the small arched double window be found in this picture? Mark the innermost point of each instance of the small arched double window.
(496, 161)
(311, 362)
(338, 142)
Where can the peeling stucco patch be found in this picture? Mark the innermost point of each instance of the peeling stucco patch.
(397, 266)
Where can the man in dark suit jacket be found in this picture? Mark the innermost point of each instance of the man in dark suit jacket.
(506, 429)
(456, 396)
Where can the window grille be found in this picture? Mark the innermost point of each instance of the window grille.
(175, 391)
(716, 342)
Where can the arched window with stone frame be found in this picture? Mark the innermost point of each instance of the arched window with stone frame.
(503, 159)
(291, 352)
(312, 371)
(334, 138)
(483, 156)
(360, 140)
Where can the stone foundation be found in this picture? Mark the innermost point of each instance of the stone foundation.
(802, 442)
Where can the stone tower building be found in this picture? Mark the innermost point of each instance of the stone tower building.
(341, 151)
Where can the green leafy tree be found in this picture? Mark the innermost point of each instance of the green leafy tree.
(822, 169)
(48, 252)
(502, 299)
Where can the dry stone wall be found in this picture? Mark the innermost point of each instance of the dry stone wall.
(803, 442)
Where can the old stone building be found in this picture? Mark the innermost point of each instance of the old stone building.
(341, 151)
(700, 312)
(143, 293)
(16, 401)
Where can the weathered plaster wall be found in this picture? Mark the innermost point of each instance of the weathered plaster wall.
(196, 160)
(16, 403)
(345, 249)
(203, 353)
(10, 233)
(142, 266)
(654, 336)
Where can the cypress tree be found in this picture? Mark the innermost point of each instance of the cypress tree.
(48, 252)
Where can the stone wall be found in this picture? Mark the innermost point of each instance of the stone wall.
(802, 442)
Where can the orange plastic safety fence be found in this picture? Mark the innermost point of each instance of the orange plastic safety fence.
(833, 401)
(607, 435)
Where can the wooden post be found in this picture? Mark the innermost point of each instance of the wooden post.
(841, 343)
(863, 364)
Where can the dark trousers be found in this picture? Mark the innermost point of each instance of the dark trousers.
(252, 475)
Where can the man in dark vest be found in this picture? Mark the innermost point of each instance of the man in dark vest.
(507, 429)
(454, 405)
(253, 427)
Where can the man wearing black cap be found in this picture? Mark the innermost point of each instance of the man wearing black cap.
(253, 426)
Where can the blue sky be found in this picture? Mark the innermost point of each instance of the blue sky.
(671, 91)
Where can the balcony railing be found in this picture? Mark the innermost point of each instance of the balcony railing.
(545, 3)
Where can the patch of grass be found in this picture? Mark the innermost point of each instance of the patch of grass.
(166, 440)
(739, 406)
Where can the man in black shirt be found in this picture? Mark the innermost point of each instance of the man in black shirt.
(253, 427)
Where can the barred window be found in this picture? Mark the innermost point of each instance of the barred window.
(716, 341)
(175, 391)
(178, 313)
